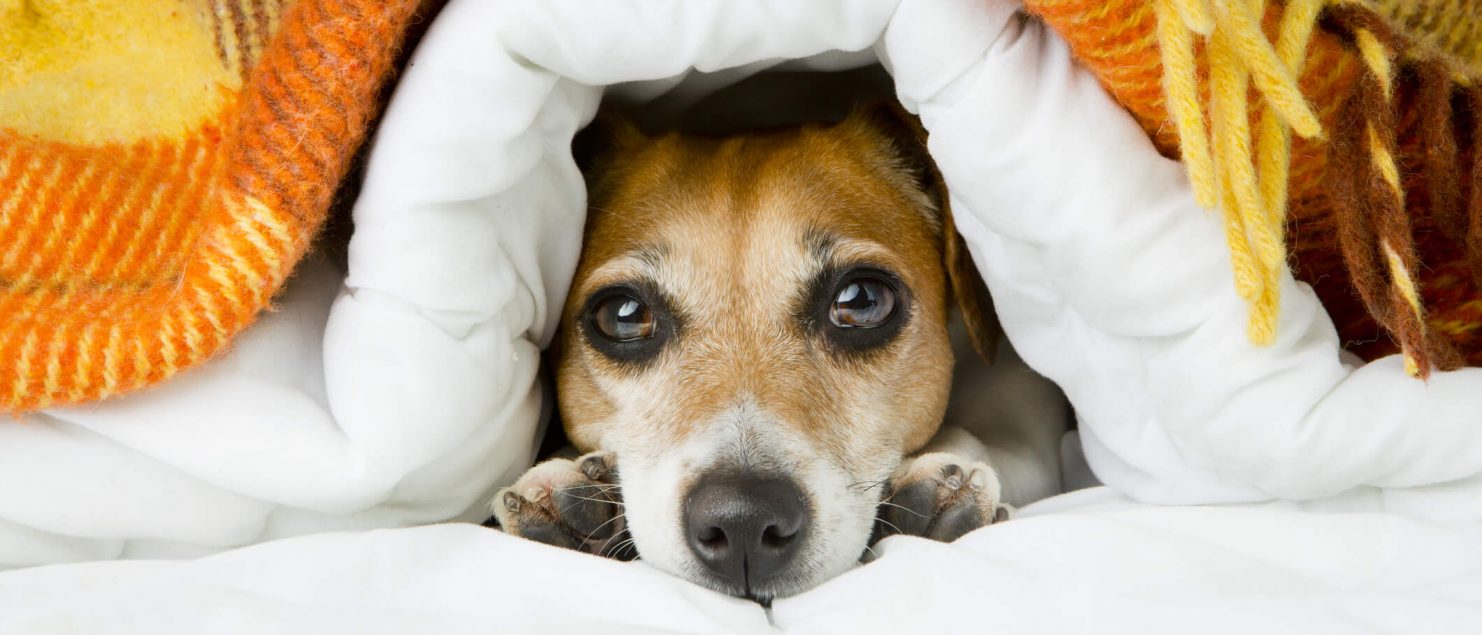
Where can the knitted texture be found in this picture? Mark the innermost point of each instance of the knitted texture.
(163, 167)
(1376, 201)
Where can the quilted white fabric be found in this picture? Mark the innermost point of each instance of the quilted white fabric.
(404, 392)
(1089, 562)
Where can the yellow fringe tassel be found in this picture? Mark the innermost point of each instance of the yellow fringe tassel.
(1250, 188)
(1228, 85)
(1273, 146)
(1181, 83)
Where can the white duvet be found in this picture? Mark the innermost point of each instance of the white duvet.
(402, 393)
(1089, 562)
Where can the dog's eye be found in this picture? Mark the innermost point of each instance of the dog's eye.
(856, 309)
(862, 303)
(623, 319)
(629, 323)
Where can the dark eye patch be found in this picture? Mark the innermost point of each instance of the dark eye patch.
(629, 323)
(855, 309)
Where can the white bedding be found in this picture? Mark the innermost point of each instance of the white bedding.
(404, 392)
(1089, 562)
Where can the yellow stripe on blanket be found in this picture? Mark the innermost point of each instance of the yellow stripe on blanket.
(144, 69)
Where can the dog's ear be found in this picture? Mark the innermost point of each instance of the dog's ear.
(907, 136)
(609, 134)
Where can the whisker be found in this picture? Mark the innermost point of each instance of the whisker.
(630, 545)
(590, 499)
(865, 486)
(907, 509)
(585, 498)
(604, 524)
(603, 488)
(890, 524)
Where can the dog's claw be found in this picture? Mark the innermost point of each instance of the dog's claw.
(978, 480)
(952, 476)
(595, 466)
(570, 504)
(927, 498)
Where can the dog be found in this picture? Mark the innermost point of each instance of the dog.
(754, 359)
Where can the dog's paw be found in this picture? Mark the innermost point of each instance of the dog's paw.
(572, 504)
(941, 497)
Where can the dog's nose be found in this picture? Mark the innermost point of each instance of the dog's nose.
(746, 529)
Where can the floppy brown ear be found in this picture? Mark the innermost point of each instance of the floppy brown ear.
(967, 288)
(607, 135)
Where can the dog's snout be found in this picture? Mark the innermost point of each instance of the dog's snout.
(746, 529)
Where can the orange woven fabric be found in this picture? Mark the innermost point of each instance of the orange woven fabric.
(128, 256)
(1117, 40)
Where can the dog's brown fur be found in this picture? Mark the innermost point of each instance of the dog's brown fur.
(733, 230)
(736, 212)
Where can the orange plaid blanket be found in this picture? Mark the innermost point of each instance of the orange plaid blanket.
(164, 164)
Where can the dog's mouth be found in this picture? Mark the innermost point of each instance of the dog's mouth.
(760, 591)
(764, 591)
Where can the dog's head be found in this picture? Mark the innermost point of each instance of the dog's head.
(758, 331)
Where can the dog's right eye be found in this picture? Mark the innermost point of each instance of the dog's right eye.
(857, 309)
(623, 318)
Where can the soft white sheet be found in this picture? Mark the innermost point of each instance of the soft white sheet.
(1089, 562)
(404, 392)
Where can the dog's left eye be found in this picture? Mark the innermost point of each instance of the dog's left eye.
(623, 319)
(862, 303)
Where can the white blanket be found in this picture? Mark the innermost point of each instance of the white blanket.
(414, 393)
(1089, 562)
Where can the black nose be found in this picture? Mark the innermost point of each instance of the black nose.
(746, 529)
